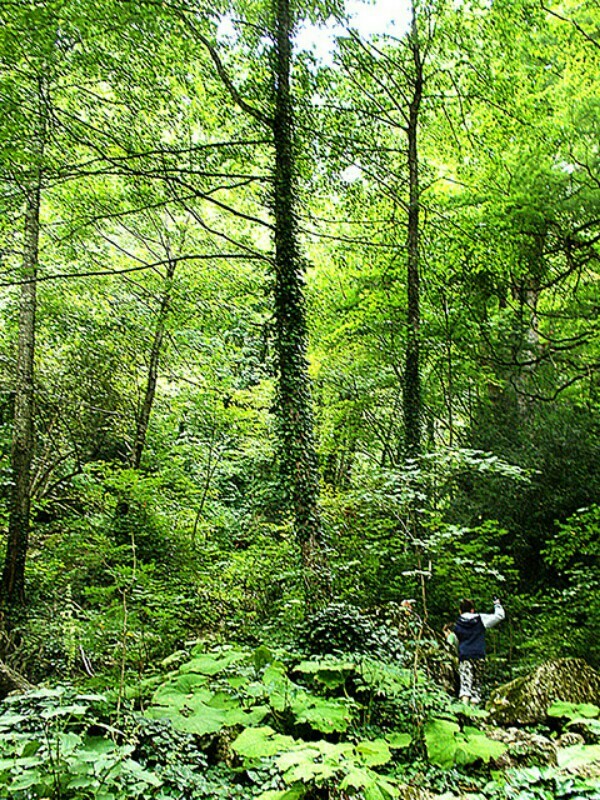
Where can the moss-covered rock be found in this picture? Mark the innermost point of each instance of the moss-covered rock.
(525, 701)
(523, 749)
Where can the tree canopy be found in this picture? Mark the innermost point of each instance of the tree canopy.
(290, 337)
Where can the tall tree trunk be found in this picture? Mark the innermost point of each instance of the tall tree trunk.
(155, 352)
(298, 454)
(12, 589)
(413, 411)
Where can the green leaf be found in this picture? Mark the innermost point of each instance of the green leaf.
(261, 742)
(374, 753)
(92, 698)
(245, 717)
(76, 710)
(135, 769)
(330, 673)
(474, 745)
(190, 713)
(278, 686)
(97, 745)
(397, 741)
(188, 683)
(356, 778)
(211, 665)
(372, 785)
(9, 720)
(322, 715)
(298, 754)
(68, 742)
(579, 755)
(82, 782)
(262, 657)
(293, 793)
(571, 710)
(440, 740)
(25, 780)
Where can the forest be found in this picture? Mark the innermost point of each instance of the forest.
(299, 348)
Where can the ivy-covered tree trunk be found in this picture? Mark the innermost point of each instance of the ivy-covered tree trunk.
(413, 412)
(298, 454)
(12, 589)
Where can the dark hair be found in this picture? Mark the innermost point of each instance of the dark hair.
(466, 606)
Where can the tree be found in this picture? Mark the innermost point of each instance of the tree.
(12, 588)
(298, 453)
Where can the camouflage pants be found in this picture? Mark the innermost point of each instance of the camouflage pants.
(471, 679)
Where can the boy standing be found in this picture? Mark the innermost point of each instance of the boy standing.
(470, 630)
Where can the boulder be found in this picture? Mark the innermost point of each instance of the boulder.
(526, 700)
(523, 749)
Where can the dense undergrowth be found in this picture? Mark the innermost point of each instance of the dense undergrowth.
(259, 723)
(109, 590)
(343, 704)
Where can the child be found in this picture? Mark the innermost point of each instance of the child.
(470, 630)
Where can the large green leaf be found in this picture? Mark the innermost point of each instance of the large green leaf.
(277, 685)
(323, 715)
(189, 682)
(261, 742)
(398, 741)
(207, 664)
(9, 720)
(473, 745)
(440, 740)
(190, 713)
(374, 753)
(330, 673)
(372, 785)
(560, 708)
(579, 755)
(170, 696)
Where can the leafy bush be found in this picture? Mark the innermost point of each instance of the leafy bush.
(343, 628)
(540, 783)
(53, 745)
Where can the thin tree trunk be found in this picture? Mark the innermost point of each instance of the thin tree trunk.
(155, 353)
(298, 454)
(449, 369)
(12, 588)
(413, 411)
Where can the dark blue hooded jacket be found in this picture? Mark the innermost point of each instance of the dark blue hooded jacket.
(471, 637)
(470, 631)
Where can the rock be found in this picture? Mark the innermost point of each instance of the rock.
(569, 739)
(588, 730)
(526, 700)
(524, 749)
(11, 681)
(407, 792)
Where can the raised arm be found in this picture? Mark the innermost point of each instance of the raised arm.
(489, 620)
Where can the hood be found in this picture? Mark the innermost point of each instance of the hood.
(469, 621)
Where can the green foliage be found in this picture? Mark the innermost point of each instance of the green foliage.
(572, 711)
(157, 266)
(48, 749)
(539, 783)
(244, 697)
(448, 745)
(303, 763)
(580, 716)
(343, 628)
